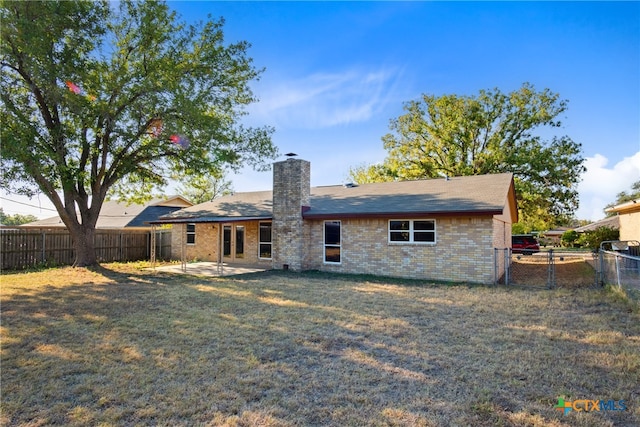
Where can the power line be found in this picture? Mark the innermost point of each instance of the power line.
(27, 204)
(123, 215)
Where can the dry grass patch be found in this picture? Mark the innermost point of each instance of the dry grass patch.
(119, 346)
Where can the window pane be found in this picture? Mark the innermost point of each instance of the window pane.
(332, 232)
(332, 253)
(239, 241)
(424, 225)
(265, 232)
(265, 250)
(191, 234)
(424, 236)
(398, 225)
(226, 241)
(397, 236)
(332, 241)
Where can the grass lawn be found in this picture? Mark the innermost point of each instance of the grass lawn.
(123, 346)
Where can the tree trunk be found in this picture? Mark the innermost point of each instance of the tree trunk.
(84, 244)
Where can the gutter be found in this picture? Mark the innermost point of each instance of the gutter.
(208, 219)
(402, 215)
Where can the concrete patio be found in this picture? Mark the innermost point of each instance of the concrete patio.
(209, 269)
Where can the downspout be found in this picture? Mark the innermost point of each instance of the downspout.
(219, 253)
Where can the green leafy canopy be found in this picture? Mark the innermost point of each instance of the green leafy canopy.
(15, 219)
(623, 197)
(492, 132)
(91, 93)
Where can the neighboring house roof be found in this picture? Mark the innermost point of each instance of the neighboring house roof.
(627, 207)
(116, 215)
(610, 222)
(480, 194)
(9, 227)
(556, 232)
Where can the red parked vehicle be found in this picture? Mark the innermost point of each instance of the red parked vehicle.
(524, 244)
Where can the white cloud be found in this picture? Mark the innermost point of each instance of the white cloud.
(600, 185)
(326, 99)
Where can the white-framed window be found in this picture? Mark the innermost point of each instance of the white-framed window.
(332, 242)
(191, 234)
(422, 231)
(264, 240)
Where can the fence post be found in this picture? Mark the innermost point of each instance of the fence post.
(551, 271)
(44, 239)
(495, 266)
(601, 272)
(506, 256)
(618, 270)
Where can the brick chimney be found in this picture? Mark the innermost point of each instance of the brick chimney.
(291, 191)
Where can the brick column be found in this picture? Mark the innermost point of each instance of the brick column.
(291, 191)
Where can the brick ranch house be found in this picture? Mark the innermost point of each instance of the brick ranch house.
(439, 229)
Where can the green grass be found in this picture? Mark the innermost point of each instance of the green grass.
(122, 346)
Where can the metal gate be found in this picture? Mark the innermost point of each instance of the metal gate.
(546, 269)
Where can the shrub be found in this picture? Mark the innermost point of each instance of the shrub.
(592, 239)
(569, 238)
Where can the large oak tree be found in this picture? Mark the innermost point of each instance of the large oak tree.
(492, 132)
(100, 98)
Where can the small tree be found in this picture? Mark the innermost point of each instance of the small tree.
(623, 196)
(569, 238)
(592, 239)
(205, 188)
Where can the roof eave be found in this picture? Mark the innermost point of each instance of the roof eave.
(398, 215)
(627, 207)
(185, 220)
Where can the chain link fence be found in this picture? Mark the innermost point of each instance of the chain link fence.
(616, 263)
(546, 269)
(619, 264)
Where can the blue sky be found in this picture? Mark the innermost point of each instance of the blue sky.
(337, 72)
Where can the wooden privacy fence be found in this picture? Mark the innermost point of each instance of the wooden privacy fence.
(28, 248)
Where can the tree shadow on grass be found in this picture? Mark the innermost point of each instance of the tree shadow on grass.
(280, 348)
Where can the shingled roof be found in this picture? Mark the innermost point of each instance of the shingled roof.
(233, 207)
(481, 194)
(610, 222)
(117, 215)
(473, 195)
